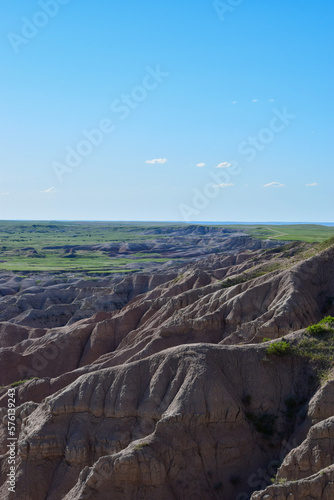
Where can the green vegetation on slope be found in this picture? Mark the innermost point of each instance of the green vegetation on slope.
(317, 346)
(279, 348)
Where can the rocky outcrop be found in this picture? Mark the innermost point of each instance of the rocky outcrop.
(194, 307)
(50, 304)
(175, 242)
(179, 424)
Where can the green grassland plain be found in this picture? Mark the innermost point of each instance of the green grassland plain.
(17, 238)
(312, 233)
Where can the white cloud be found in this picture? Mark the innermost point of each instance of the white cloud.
(312, 184)
(223, 185)
(234, 102)
(49, 190)
(157, 160)
(273, 185)
(5, 194)
(255, 100)
(271, 100)
(200, 165)
(224, 164)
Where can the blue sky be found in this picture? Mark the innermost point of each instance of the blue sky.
(91, 94)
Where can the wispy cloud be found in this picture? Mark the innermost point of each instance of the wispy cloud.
(200, 165)
(271, 100)
(5, 194)
(312, 184)
(224, 164)
(157, 160)
(255, 100)
(49, 190)
(223, 185)
(234, 102)
(273, 185)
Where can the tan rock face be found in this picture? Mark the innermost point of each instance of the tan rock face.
(321, 405)
(313, 455)
(308, 471)
(173, 422)
(156, 400)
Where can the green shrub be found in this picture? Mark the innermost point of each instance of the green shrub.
(326, 325)
(140, 446)
(20, 382)
(274, 480)
(316, 329)
(279, 348)
(229, 282)
(318, 346)
(328, 320)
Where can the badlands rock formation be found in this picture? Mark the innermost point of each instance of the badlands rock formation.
(184, 242)
(166, 391)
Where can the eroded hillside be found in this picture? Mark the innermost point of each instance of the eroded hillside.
(160, 386)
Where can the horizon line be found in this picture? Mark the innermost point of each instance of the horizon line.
(168, 221)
